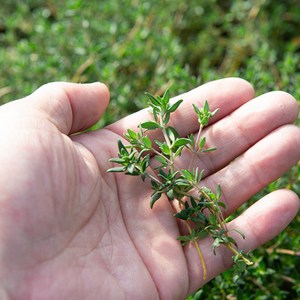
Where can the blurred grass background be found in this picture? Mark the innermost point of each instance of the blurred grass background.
(139, 45)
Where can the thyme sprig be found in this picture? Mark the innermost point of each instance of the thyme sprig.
(200, 208)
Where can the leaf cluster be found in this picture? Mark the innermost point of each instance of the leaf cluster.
(198, 205)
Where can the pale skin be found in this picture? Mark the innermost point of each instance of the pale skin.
(70, 230)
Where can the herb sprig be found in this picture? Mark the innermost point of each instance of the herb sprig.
(200, 208)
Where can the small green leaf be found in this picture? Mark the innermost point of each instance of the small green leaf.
(145, 163)
(193, 202)
(205, 107)
(150, 125)
(131, 133)
(175, 106)
(147, 142)
(155, 185)
(172, 133)
(154, 198)
(117, 160)
(166, 118)
(122, 147)
(153, 99)
(196, 109)
(191, 137)
(202, 142)
(218, 192)
(213, 220)
(183, 214)
(181, 142)
(166, 97)
(162, 160)
(198, 176)
(130, 168)
(201, 234)
(214, 112)
(184, 239)
(222, 204)
(155, 112)
(116, 169)
(178, 151)
(239, 232)
(209, 149)
(165, 149)
(170, 194)
(187, 175)
(217, 242)
(229, 239)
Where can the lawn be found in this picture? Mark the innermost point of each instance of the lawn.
(137, 46)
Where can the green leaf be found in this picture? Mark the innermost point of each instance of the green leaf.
(130, 168)
(155, 185)
(131, 134)
(181, 142)
(153, 99)
(172, 133)
(165, 149)
(184, 239)
(170, 194)
(155, 112)
(117, 160)
(145, 163)
(175, 106)
(239, 232)
(201, 234)
(187, 175)
(162, 160)
(214, 112)
(162, 174)
(193, 202)
(147, 142)
(218, 192)
(166, 97)
(209, 149)
(191, 137)
(196, 109)
(116, 169)
(222, 204)
(198, 176)
(229, 239)
(122, 147)
(205, 107)
(202, 142)
(183, 214)
(150, 125)
(166, 118)
(178, 151)
(217, 242)
(154, 198)
(213, 220)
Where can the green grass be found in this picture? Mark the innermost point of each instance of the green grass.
(138, 46)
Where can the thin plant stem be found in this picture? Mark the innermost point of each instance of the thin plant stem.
(196, 148)
(195, 241)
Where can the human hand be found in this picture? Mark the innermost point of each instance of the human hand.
(69, 230)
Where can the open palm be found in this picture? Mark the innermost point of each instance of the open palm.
(70, 230)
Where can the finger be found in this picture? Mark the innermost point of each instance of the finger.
(244, 127)
(261, 164)
(72, 107)
(226, 94)
(260, 223)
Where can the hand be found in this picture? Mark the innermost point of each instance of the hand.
(69, 230)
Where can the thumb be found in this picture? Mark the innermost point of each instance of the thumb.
(72, 107)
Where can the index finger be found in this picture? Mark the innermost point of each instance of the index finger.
(227, 94)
